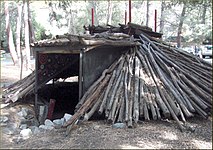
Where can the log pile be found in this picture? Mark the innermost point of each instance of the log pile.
(20, 89)
(130, 29)
(151, 81)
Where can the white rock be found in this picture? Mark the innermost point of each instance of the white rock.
(58, 122)
(3, 119)
(34, 129)
(96, 127)
(63, 120)
(119, 125)
(42, 127)
(26, 133)
(22, 113)
(23, 126)
(49, 127)
(8, 131)
(46, 127)
(48, 122)
(67, 116)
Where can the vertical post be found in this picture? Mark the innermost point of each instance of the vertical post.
(92, 16)
(51, 108)
(36, 86)
(125, 16)
(80, 74)
(130, 11)
(155, 26)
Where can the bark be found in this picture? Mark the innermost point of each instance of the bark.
(10, 41)
(103, 104)
(109, 13)
(27, 36)
(136, 93)
(180, 25)
(114, 90)
(31, 29)
(0, 23)
(203, 16)
(147, 13)
(162, 17)
(18, 36)
(71, 25)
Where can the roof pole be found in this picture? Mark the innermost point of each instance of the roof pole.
(155, 25)
(125, 16)
(92, 16)
(129, 10)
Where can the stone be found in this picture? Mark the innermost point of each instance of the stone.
(48, 122)
(26, 121)
(23, 126)
(49, 127)
(119, 125)
(96, 127)
(67, 117)
(35, 122)
(3, 124)
(42, 127)
(22, 113)
(45, 127)
(18, 140)
(3, 119)
(35, 129)
(13, 125)
(58, 122)
(63, 120)
(26, 133)
(8, 130)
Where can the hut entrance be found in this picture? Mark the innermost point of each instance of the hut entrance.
(65, 93)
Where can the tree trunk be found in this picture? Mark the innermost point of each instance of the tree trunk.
(10, 41)
(147, 13)
(18, 32)
(180, 26)
(71, 23)
(31, 29)
(27, 39)
(203, 17)
(162, 16)
(0, 24)
(109, 13)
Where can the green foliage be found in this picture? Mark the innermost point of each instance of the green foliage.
(73, 15)
(38, 28)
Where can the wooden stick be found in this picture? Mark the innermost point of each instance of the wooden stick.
(103, 104)
(136, 97)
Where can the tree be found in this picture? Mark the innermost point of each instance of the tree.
(18, 31)
(0, 26)
(10, 41)
(162, 18)
(27, 39)
(205, 5)
(180, 25)
(147, 13)
(109, 13)
(18, 36)
(31, 29)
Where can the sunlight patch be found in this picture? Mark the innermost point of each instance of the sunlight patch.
(129, 147)
(169, 136)
(202, 144)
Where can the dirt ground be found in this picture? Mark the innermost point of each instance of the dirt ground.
(100, 135)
